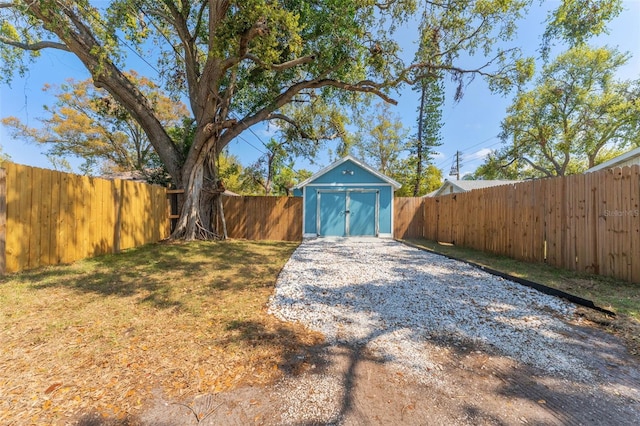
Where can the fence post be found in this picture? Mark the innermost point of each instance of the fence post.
(3, 219)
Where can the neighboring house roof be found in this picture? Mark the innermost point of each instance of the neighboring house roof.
(628, 158)
(134, 175)
(468, 185)
(343, 160)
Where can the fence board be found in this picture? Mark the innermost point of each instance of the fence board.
(635, 224)
(45, 217)
(590, 224)
(587, 223)
(22, 221)
(3, 219)
(263, 218)
(626, 216)
(614, 227)
(408, 217)
(54, 217)
(34, 220)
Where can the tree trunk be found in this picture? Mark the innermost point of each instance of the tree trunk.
(202, 205)
(419, 144)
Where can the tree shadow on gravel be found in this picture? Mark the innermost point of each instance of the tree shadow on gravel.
(573, 384)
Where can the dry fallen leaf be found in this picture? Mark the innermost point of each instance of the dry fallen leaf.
(52, 388)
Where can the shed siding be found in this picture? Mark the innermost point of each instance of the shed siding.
(336, 175)
(348, 175)
(311, 199)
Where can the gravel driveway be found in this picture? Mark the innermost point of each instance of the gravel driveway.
(406, 307)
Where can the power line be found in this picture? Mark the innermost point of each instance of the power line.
(104, 25)
(480, 143)
(251, 145)
(451, 157)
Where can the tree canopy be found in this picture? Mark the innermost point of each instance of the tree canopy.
(576, 110)
(87, 123)
(241, 62)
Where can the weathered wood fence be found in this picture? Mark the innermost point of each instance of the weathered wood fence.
(251, 217)
(264, 218)
(588, 222)
(49, 217)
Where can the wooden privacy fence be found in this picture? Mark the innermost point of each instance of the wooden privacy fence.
(408, 217)
(588, 222)
(49, 217)
(264, 218)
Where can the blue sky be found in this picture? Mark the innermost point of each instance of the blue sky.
(470, 126)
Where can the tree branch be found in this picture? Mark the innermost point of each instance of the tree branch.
(365, 86)
(283, 66)
(34, 46)
(179, 23)
(291, 121)
(404, 75)
(199, 20)
(258, 29)
(546, 172)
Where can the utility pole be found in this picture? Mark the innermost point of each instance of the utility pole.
(455, 167)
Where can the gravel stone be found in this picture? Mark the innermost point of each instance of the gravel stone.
(401, 302)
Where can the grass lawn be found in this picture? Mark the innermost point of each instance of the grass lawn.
(104, 333)
(183, 319)
(621, 297)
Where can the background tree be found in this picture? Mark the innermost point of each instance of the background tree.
(87, 123)
(496, 167)
(575, 110)
(429, 122)
(4, 156)
(231, 171)
(431, 179)
(382, 141)
(268, 169)
(305, 127)
(240, 62)
(273, 173)
(428, 137)
(573, 22)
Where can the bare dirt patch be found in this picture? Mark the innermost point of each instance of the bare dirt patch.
(392, 362)
(350, 386)
(66, 335)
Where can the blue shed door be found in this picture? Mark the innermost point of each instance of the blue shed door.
(332, 214)
(348, 213)
(362, 213)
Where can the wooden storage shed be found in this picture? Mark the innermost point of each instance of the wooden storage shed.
(347, 199)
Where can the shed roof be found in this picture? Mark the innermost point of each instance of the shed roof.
(343, 160)
(469, 185)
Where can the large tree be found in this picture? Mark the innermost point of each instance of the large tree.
(575, 111)
(87, 123)
(239, 62)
